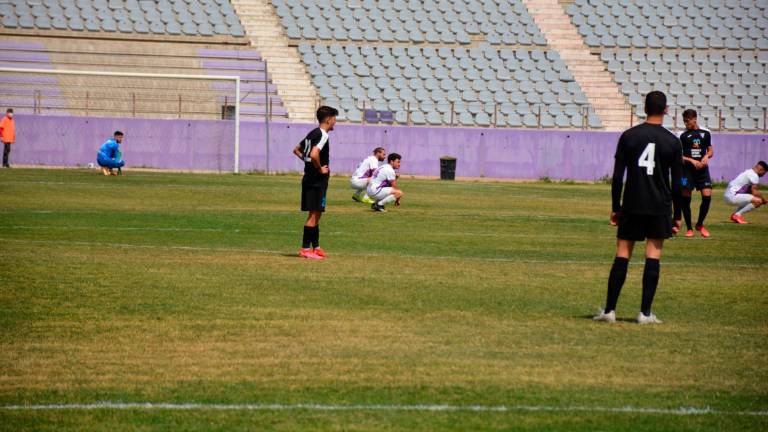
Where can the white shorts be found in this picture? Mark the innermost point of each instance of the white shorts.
(359, 183)
(383, 193)
(739, 200)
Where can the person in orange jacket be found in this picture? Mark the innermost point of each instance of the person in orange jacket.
(7, 135)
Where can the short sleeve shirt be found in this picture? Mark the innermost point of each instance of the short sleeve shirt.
(382, 178)
(366, 168)
(743, 183)
(695, 143)
(316, 138)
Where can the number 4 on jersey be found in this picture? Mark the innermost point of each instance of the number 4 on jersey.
(647, 158)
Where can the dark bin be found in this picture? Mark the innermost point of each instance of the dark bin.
(447, 168)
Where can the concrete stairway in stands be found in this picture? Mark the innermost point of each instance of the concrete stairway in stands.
(587, 68)
(263, 28)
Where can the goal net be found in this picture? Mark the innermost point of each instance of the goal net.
(182, 122)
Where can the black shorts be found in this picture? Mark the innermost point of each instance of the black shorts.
(640, 227)
(693, 178)
(313, 194)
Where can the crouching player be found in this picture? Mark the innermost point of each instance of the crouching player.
(383, 186)
(742, 192)
(109, 156)
(363, 173)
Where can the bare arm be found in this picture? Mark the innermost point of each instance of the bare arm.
(756, 192)
(617, 184)
(314, 155)
(297, 151)
(676, 178)
(705, 159)
(696, 164)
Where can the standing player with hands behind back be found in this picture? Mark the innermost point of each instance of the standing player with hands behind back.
(648, 152)
(314, 150)
(697, 150)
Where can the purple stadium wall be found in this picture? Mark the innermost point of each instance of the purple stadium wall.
(207, 145)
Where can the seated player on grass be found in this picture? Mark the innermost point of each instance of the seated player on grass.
(109, 156)
(363, 173)
(383, 186)
(742, 192)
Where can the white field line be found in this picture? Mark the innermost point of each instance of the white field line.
(335, 233)
(447, 188)
(258, 231)
(354, 255)
(111, 185)
(682, 411)
(121, 228)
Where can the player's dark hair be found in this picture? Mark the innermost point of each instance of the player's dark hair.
(655, 103)
(118, 133)
(763, 164)
(325, 112)
(393, 157)
(689, 114)
(9, 110)
(379, 149)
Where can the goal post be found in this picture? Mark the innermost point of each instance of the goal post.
(129, 95)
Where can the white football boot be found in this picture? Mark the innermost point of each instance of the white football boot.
(650, 319)
(609, 317)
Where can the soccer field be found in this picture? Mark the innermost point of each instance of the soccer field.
(468, 308)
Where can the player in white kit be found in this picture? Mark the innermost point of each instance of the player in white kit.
(742, 192)
(383, 186)
(362, 176)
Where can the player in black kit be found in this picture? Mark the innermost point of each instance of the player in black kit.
(648, 153)
(314, 150)
(697, 151)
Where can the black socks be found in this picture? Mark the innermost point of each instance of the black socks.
(311, 237)
(650, 282)
(685, 203)
(316, 237)
(307, 239)
(615, 282)
(703, 209)
(619, 274)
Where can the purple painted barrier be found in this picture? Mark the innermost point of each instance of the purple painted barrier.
(167, 144)
(24, 57)
(236, 54)
(19, 79)
(492, 153)
(232, 65)
(26, 46)
(23, 65)
(244, 87)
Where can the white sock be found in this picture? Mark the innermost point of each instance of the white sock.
(747, 208)
(388, 199)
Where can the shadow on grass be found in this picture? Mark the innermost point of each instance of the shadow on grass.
(589, 317)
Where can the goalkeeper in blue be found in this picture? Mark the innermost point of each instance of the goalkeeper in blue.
(109, 156)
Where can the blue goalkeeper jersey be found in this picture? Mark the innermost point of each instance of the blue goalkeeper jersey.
(109, 150)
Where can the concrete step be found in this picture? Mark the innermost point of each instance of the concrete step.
(288, 72)
(587, 69)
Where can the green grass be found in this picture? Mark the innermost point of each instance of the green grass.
(186, 288)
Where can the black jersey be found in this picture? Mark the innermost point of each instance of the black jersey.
(696, 142)
(648, 153)
(317, 138)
